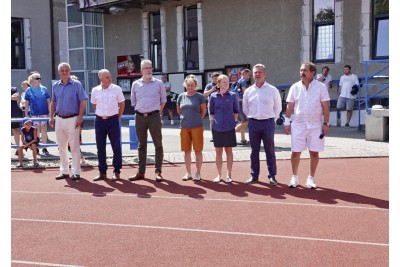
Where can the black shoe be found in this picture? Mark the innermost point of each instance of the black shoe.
(100, 177)
(75, 177)
(252, 180)
(44, 150)
(37, 150)
(272, 181)
(346, 125)
(62, 176)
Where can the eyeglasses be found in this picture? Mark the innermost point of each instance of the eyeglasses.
(37, 78)
(147, 68)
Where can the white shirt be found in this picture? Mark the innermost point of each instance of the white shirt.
(328, 79)
(262, 103)
(307, 103)
(106, 100)
(346, 82)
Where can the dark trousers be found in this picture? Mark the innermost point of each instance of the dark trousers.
(112, 129)
(152, 124)
(262, 130)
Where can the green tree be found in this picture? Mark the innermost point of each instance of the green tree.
(381, 7)
(325, 14)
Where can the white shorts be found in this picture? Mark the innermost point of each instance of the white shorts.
(307, 138)
(40, 123)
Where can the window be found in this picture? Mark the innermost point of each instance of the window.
(155, 41)
(191, 39)
(324, 31)
(381, 29)
(17, 44)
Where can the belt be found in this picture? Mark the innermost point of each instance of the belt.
(262, 119)
(68, 116)
(107, 117)
(148, 113)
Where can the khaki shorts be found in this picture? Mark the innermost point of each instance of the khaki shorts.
(191, 136)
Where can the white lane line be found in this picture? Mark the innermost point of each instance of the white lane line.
(204, 231)
(43, 263)
(206, 199)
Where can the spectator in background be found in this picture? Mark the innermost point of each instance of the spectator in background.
(171, 100)
(191, 106)
(325, 77)
(29, 140)
(24, 85)
(15, 113)
(345, 98)
(37, 102)
(208, 90)
(241, 87)
(224, 110)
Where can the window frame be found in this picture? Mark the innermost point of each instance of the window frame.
(189, 40)
(155, 45)
(316, 26)
(375, 21)
(20, 45)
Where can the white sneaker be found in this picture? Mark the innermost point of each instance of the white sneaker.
(310, 183)
(187, 177)
(172, 122)
(217, 179)
(228, 179)
(294, 181)
(197, 177)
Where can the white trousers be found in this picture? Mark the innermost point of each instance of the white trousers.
(66, 133)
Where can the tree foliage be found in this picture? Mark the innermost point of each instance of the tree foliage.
(325, 14)
(381, 7)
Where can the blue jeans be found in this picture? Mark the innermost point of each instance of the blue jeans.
(262, 130)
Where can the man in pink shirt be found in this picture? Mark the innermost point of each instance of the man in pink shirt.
(308, 99)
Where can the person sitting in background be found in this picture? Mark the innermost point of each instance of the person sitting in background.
(29, 140)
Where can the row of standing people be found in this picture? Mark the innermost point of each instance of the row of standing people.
(261, 104)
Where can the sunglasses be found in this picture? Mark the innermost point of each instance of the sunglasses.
(37, 78)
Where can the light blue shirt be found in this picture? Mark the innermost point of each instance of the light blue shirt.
(68, 97)
(148, 96)
(37, 98)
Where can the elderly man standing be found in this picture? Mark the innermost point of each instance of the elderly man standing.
(262, 104)
(148, 97)
(108, 102)
(68, 103)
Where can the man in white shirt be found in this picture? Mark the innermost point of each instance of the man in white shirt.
(108, 102)
(345, 98)
(262, 104)
(325, 77)
(309, 100)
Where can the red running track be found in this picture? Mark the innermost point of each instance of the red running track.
(345, 222)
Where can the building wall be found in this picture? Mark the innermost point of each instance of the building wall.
(39, 14)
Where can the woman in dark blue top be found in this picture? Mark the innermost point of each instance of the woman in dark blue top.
(224, 110)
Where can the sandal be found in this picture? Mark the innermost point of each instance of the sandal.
(36, 165)
(244, 142)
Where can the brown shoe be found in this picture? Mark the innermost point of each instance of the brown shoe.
(62, 176)
(100, 177)
(115, 176)
(159, 177)
(137, 176)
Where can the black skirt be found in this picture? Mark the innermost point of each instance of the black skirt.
(224, 139)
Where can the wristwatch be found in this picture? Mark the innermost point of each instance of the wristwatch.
(327, 123)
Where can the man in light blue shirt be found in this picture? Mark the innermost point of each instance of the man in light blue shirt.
(148, 97)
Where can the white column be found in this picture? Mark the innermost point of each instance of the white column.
(28, 44)
(200, 37)
(338, 31)
(306, 37)
(163, 40)
(145, 34)
(179, 38)
(365, 30)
